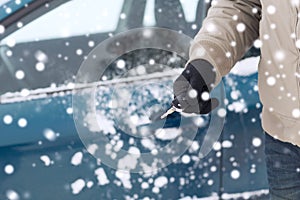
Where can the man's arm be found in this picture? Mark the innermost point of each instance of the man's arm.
(227, 32)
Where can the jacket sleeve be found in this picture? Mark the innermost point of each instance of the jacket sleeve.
(228, 31)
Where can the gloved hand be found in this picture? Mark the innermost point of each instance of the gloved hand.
(191, 89)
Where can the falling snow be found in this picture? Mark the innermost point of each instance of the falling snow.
(271, 81)
(256, 142)
(7, 119)
(241, 27)
(101, 176)
(185, 159)
(77, 158)
(257, 43)
(90, 184)
(11, 42)
(22, 122)
(2, 29)
(69, 111)
(12, 195)
(9, 169)
(205, 96)
(227, 144)
(77, 186)
(222, 112)
(193, 94)
(46, 160)
(91, 44)
(20, 74)
(40, 66)
(296, 113)
(271, 9)
(124, 177)
(49, 134)
(41, 56)
(235, 174)
(160, 181)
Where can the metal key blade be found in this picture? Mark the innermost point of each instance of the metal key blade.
(170, 111)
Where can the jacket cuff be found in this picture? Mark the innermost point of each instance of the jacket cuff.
(214, 54)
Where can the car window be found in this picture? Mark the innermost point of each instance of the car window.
(189, 8)
(49, 50)
(149, 18)
(77, 17)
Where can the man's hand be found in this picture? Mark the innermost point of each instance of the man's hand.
(191, 89)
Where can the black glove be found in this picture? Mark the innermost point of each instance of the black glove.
(194, 83)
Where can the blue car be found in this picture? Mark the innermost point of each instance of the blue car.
(45, 154)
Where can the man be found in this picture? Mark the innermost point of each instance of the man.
(230, 28)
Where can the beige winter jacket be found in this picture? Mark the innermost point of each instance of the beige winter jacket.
(230, 29)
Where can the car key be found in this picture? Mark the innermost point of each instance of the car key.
(170, 111)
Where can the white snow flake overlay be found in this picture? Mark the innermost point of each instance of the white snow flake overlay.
(235, 174)
(22, 122)
(77, 186)
(7, 119)
(12, 195)
(46, 159)
(124, 177)
(185, 159)
(49, 134)
(2, 29)
(296, 113)
(241, 27)
(271, 81)
(9, 169)
(77, 159)
(20, 74)
(101, 176)
(271, 9)
(160, 181)
(256, 142)
(39, 66)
